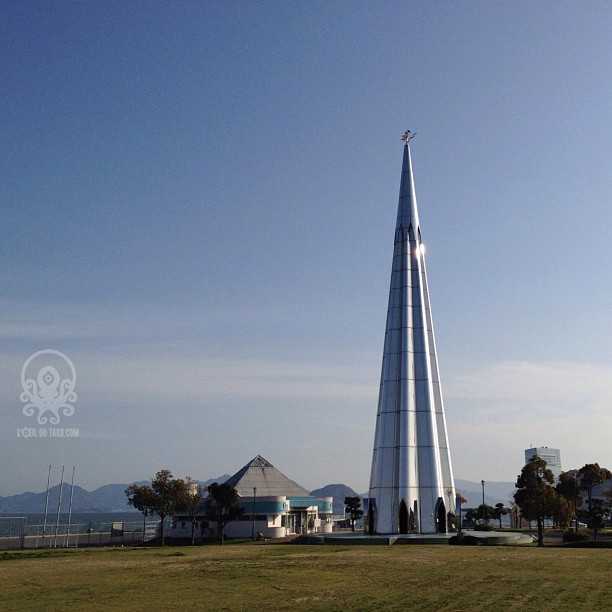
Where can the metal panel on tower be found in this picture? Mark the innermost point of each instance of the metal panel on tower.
(411, 483)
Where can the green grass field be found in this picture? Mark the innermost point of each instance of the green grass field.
(291, 577)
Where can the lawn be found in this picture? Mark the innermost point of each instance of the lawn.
(253, 576)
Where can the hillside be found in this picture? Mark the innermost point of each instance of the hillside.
(107, 498)
(338, 492)
(111, 497)
(494, 492)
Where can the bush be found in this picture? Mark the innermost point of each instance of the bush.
(484, 527)
(591, 544)
(463, 540)
(572, 536)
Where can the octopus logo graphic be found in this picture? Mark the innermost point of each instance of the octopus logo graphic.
(48, 379)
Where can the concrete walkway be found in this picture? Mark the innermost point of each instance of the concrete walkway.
(491, 538)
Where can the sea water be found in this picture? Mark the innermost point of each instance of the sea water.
(80, 522)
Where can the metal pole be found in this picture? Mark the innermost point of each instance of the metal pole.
(59, 505)
(22, 535)
(482, 482)
(46, 508)
(70, 511)
(253, 514)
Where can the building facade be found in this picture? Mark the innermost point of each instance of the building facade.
(552, 456)
(274, 506)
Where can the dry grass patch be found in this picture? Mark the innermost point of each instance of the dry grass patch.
(286, 577)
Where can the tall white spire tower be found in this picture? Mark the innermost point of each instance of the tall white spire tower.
(411, 483)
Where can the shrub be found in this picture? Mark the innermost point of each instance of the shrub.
(572, 536)
(484, 527)
(463, 540)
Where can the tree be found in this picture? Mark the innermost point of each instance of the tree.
(222, 505)
(471, 514)
(590, 476)
(459, 501)
(499, 511)
(515, 514)
(486, 512)
(569, 488)
(535, 494)
(562, 511)
(607, 503)
(482, 513)
(160, 498)
(353, 509)
(596, 515)
(190, 501)
(141, 498)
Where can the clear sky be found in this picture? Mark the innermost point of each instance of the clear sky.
(197, 206)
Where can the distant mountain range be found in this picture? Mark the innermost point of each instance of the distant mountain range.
(108, 498)
(495, 492)
(338, 492)
(111, 497)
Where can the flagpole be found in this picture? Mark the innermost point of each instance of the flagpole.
(70, 512)
(59, 505)
(46, 508)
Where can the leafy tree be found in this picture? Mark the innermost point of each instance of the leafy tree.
(353, 509)
(595, 515)
(222, 505)
(562, 511)
(141, 498)
(607, 504)
(160, 498)
(471, 514)
(486, 512)
(459, 501)
(590, 476)
(535, 494)
(515, 514)
(190, 501)
(499, 511)
(482, 513)
(569, 488)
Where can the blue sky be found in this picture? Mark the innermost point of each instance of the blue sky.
(197, 206)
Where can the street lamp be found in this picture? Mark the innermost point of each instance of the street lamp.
(253, 514)
(482, 482)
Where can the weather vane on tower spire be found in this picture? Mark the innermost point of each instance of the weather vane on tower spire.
(407, 136)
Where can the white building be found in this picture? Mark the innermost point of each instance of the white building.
(552, 456)
(274, 507)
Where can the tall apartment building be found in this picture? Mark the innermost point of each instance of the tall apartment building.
(552, 456)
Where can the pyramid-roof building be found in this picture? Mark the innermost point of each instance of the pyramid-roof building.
(260, 473)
